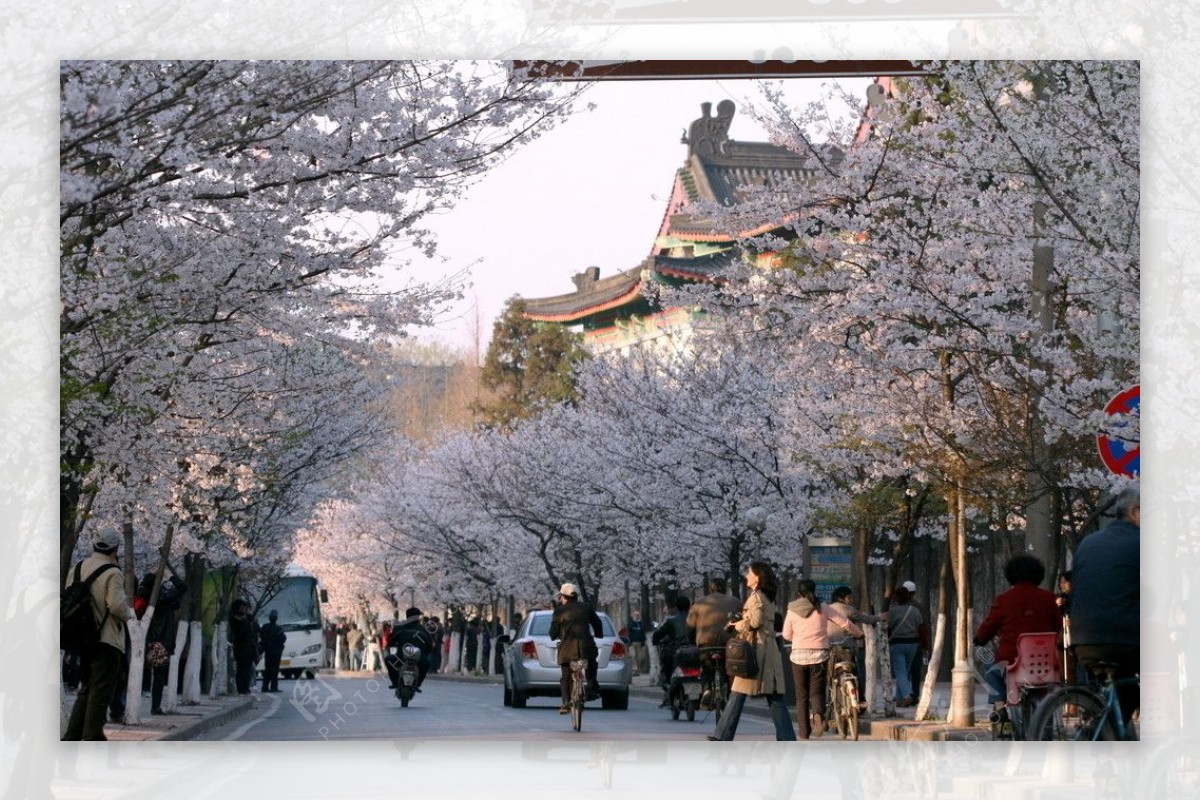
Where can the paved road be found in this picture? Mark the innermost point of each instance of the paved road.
(359, 708)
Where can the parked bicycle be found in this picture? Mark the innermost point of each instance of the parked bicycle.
(1085, 712)
(842, 689)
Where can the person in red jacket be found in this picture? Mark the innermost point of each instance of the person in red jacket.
(1025, 608)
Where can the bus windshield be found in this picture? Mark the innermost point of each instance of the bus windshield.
(296, 602)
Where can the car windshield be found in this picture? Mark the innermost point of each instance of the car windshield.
(539, 626)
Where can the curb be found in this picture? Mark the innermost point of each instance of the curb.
(210, 722)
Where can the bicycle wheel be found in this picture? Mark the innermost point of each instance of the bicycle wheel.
(720, 694)
(849, 709)
(1071, 713)
(578, 696)
(837, 702)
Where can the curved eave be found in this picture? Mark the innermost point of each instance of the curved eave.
(690, 276)
(579, 315)
(722, 236)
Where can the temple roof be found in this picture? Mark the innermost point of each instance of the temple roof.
(717, 170)
(592, 295)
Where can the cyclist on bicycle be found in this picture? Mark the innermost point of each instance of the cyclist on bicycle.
(576, 625)
(709, 615)
(1105, 596)
(1025, 608)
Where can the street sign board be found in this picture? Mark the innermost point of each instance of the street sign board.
(1120, 442)
(830, 563)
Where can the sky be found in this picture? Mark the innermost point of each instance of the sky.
(591, 192)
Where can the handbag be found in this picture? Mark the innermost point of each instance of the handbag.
(157, 655)
(741, 661)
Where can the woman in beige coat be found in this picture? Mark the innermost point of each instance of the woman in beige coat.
(757, 625)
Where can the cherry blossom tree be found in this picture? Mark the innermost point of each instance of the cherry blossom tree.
(961, 283)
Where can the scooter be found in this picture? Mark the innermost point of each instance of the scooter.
(408, 670)
(683, 692)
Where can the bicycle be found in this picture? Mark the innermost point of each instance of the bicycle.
(1085, 712)
(842, 689)
(578, 691)
(714, 685)
(1027, 681)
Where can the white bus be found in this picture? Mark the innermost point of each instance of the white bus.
(297, 598)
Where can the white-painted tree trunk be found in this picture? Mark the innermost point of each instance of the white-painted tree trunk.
(455, 653)
(871, 660)
(137, 661)
(191, 672)
(931, 671)
(339, 655)
(374, 657)
(170, 701)
(885, 702)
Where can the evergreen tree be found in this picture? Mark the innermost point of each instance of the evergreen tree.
(529, 366)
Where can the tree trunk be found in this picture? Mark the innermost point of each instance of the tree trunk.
(170, 692)
(191, 672)
(939, 638)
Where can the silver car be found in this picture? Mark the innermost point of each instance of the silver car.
(531, 663)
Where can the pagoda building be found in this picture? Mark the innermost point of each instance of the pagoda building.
(618, 311)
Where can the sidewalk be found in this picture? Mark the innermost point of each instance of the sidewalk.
(900, 726)
(186, 722)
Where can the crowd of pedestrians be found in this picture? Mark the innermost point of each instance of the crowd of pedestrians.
(1094, 614)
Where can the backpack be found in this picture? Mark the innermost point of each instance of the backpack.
(741, 659)
(78, 632)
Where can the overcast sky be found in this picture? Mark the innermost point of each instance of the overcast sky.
(590, 192)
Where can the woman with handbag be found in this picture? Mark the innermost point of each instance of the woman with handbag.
(757, 626)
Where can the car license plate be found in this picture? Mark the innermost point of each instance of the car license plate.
(284, 662)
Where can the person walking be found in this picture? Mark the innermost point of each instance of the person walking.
(757, 625)
(243, 637)
(636, 631)
(806, 627)
(906, 640)
(272, 638)
(100, 667)
(355, 643)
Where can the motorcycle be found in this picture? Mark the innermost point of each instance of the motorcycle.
(408, 669)
(684, 690)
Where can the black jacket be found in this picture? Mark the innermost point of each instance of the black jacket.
(273, 638)
(243, 636)
(163, 622)
(413, 632)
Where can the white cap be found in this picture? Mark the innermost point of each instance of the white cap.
(569, 590)
(911, 586)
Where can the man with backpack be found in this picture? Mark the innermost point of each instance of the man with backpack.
(101, 658)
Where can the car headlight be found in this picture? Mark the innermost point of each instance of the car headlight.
(312, 649)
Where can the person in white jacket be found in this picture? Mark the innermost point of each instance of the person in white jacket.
(805, 627)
